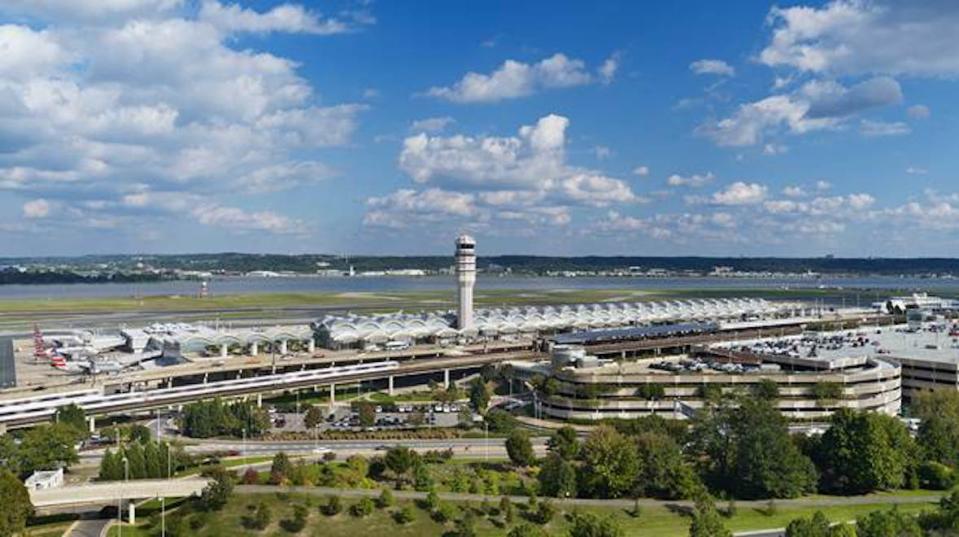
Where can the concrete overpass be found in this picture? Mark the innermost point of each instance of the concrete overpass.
(114, 493)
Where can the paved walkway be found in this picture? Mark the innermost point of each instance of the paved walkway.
(625, 503)
(89, 528)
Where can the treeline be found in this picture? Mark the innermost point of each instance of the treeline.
(44, 447)
(36, 277)
(521, 264)
(144, 459)
(740, 447)
(206, 419)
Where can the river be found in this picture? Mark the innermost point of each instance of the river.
(316, 284)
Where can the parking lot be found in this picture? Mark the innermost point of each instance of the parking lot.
(387, 417)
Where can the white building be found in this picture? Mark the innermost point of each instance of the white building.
(45, 479)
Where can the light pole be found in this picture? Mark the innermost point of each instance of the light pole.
(243, 447)
(163, 498)
(486, 440)
(126, 478)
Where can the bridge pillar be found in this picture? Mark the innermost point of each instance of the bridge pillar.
(311, 345)
(224, 350)
(446, 378)
(390, 379)
(93, 424)
(332, 393)
(132, 518)
(259, 400)
(254, 348)
(206, 377)
(283, 347)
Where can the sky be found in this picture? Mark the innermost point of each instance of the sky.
(541, 127)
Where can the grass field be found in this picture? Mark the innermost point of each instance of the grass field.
(652, 522)
(389, 300)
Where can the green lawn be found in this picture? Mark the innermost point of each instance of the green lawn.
(652, 521)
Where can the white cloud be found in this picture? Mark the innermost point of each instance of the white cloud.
(740, 193)
(602, 152)
(432, 124)
(823, 185)
(694, 181)
(914, 170)
(38, 208)
(881, 128)
(918, 111)
(607, 71)
(852, 37)
(522, 178)
(817, 105)
(641, 171)
(712, 67)
(775, 149)
(86, 121)
(793, 191)
(282, 18)
(516, 79)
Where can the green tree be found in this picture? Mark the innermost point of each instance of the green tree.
(422, 479)
(938, 436)
(404, 515)
(262, 517)
(591, 525)
(564, 442)
(500, 421)
(333, 506)
(16, 504)
(139, 433)
(111, 468)
(400, 460)
(506, 508)
(152, 459)
(707, 521)
(135, 461)
(9, 454)
(864, 451)
(663, 471)
(814, 526)
(610, 463)
(519, 448)
(479, 395)
(557, 477)
(362, 508)
(313, 417)
(281, 469)
(466, 524)
(72, 416)
(366, 413)
(766, 389)
(747, 450)
(889, 523)
(46, 447)
(385, 499)
(217, 493)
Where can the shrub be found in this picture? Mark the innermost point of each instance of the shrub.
(385, 499)
(545, 512)
(260, 519)
(506, 507)
(938, 476)
(404, 515)
(444, 513)
(333, 506)
(251, 477)
(362, 508)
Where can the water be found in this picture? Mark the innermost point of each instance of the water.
(312, 284)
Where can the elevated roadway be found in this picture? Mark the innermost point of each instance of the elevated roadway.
(116, 491)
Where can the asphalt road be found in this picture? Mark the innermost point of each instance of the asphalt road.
(89, 528)
(8, 371)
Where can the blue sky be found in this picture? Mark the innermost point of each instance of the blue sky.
(626, 128)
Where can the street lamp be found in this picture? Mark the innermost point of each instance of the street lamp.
(243, 447)
(126, 478)
(163, 498)
(486, 440)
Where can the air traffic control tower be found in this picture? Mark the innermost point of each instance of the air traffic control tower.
(465, 279)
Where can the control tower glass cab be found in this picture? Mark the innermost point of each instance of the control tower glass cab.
(465, 279)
